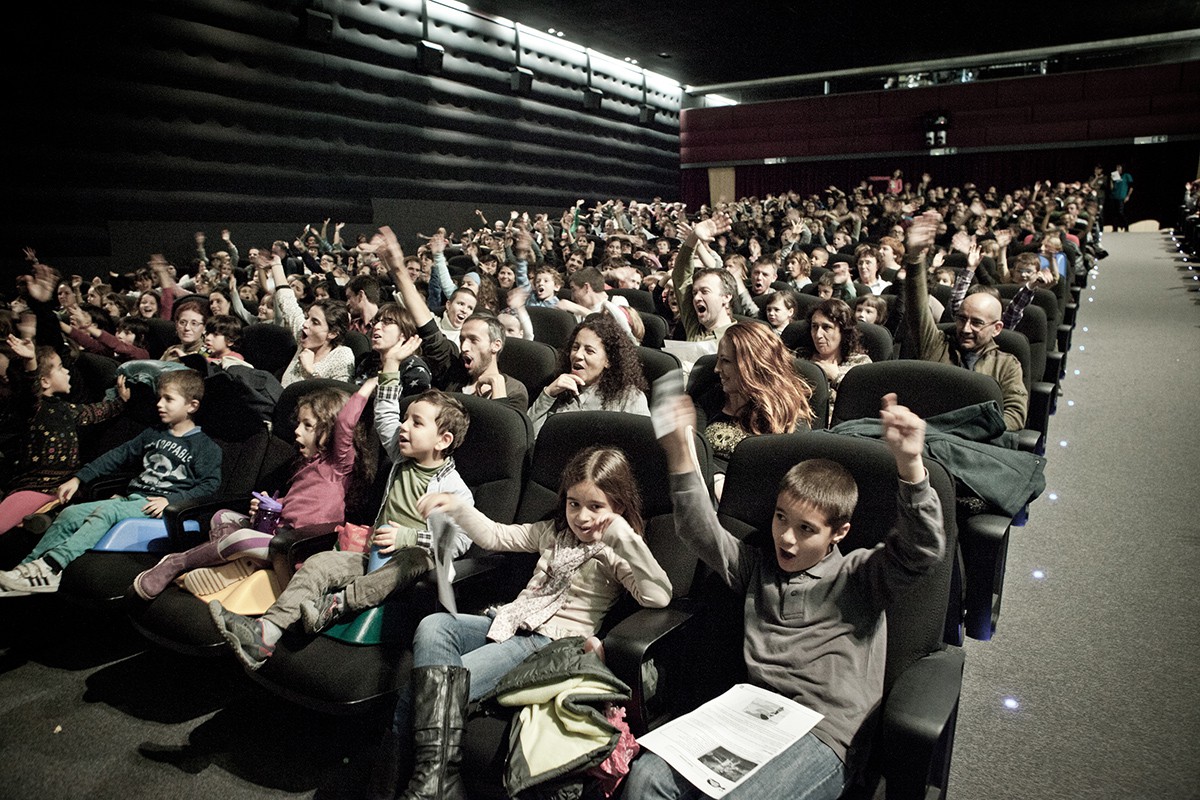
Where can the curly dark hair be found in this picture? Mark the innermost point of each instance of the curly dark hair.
(840, 314)
(624, 371)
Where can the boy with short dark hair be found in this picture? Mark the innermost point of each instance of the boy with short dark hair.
(334, 583)
(178, 463)
(221, 336)
(815, 629)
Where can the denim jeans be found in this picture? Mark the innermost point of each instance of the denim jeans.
(444, 639)
(808, 770)
(79, 527)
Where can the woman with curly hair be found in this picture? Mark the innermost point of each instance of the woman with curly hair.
(761, 391)
(600, 372)
(836, 348)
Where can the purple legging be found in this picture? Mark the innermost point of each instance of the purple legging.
(236, 539)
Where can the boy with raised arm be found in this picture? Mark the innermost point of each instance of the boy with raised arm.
(815, 628)
(471, 368)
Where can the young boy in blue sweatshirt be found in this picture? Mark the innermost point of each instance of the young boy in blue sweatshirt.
(178, 463)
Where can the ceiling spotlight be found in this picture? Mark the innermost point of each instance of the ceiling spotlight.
(633, 61)
(560, 34)
(550, 30)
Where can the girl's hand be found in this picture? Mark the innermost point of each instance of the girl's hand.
(122, 389)
(253, 506)
(400, 351)
(369, 386)
(567, 382)
(444, 502)
(308, 360)
(384, 538)
(595, 531)
(904, 433)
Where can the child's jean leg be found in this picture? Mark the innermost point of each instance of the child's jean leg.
(225, 522)
(79, 527)
(405, 567)
(17, 506)
(320, 574)
(808, 770)
(444, 639)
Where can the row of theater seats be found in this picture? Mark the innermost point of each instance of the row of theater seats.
(364, 660)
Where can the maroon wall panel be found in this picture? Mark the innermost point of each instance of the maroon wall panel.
(1041, 110)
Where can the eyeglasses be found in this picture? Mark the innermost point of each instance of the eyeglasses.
(187, 323)
(972, 322)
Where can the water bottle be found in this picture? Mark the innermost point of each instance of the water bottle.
(266, 519)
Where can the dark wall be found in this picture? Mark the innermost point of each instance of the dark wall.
(211, 113)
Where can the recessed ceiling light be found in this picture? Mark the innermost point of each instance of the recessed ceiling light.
(664, 55)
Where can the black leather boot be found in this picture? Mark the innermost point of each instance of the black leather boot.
(440, 696)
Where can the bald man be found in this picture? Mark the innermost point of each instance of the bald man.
(972, 343)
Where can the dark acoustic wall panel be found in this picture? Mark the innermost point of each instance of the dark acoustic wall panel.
(186, 110)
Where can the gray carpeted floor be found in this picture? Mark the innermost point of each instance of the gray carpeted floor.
(1100, 654)
(1103, 653)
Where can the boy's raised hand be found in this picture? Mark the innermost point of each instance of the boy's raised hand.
(904, 433)
(439, 501)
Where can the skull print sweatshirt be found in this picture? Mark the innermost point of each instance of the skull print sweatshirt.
(175, 467)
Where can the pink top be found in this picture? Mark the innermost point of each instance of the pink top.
(318, 492)
(107, 345)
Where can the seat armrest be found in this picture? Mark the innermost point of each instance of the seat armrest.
(1055, 363)
(1041, 400)
(984, 542)
(105, 487)
(1027, 440)
(201, 509)
(917, 727)
(627, 648)
(290, 546)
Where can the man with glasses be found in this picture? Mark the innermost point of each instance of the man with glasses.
(972, 343)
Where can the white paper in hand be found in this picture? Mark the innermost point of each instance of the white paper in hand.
(444, 536)
(666, 389)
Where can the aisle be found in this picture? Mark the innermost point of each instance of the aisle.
(1098, 642)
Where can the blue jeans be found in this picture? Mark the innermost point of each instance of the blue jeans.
(444, 639)
(809, 770)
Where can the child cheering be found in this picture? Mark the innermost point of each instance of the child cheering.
(815, 629)
(590, 552)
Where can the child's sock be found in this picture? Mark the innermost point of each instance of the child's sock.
(270, 632)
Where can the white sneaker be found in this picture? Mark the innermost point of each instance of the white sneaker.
(35, 577)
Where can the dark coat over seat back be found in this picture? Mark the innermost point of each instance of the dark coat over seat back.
(928, 388)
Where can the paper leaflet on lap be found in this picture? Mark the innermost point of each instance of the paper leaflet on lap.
(724, 742)
(444, 536)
